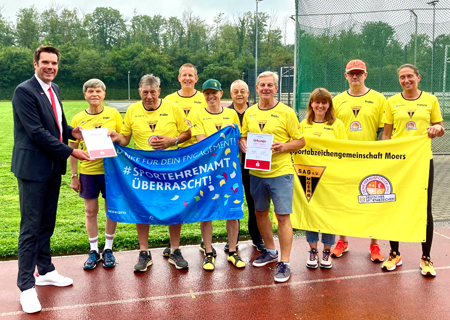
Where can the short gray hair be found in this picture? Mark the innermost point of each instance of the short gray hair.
(238, 81)
(149, 80)
(268, 74)
(93, 83)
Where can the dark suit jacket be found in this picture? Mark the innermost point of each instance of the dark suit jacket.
(38, 153)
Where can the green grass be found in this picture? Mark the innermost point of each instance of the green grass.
(70, 234)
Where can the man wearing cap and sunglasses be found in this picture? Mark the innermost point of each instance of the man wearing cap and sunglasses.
(361, 110)
(206, 122)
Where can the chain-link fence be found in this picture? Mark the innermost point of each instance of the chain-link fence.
(383, 33)
(285, 83)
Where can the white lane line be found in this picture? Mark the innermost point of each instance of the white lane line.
(190, 294)
(442, 235)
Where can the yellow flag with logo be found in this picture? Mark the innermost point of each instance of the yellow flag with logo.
(363, 189)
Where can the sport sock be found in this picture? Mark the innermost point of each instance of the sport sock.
(93, 242)
(109, 238)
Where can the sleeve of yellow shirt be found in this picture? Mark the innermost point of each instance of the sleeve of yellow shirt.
(387, 116)
(197, 125)
(244, 130)
(119, 121)
(74, 124)
(127, 122)
(435, 111)
(182, 125)
(381, 110)
(293, 126)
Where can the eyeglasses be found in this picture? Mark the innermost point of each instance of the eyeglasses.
(358, 74)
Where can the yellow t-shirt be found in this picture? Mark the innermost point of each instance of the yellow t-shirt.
(168, 120)
(411, 117)
(204, 122)
(362, 116)
(109, 118)
(189, 105)
(280, 121)
(322, 129)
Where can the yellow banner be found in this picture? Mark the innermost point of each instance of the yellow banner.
(363, 189)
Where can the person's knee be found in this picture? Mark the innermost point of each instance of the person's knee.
(283, 220)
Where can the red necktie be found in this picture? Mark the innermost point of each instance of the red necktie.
(52, 98)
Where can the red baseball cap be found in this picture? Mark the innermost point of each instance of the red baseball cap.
(356, 65)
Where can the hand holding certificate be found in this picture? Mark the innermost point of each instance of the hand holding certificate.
(98, 143)
(259, 154)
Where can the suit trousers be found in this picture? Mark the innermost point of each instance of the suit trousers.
(38, 205)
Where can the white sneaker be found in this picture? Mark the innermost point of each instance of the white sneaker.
(53, 279)
(326, 260)
(29, 301)
(313, 259)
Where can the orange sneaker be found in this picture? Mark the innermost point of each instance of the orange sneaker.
(426, 266)
(392, 262)
(341, 247)
(375, 253)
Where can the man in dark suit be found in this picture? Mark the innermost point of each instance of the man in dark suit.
(39, 159)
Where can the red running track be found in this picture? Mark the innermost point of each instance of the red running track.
(355, 288)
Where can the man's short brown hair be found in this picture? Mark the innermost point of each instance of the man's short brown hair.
(187, 65)
(48, 49)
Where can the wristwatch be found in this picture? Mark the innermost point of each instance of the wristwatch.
(74, 175)
(176, 142)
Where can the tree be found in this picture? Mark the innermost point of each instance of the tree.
(106, 27)
(27, 27)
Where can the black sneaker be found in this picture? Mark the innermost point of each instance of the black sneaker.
(92, 261)
(227, 247)
(145, 260)
(166, 252)
(260, 246)
(176, 258)
(108, 259)
(202, 249)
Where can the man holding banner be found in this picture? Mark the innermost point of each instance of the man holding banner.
(205, 123)
(360, 109)
(154, 124)
(272, 117)
(190, 100)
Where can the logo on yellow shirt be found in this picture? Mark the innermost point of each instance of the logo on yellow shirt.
(152, 125)
(411, 112)
(218, 126)
(356, 110)
(262, 123)
(187, 110)
(97, 125)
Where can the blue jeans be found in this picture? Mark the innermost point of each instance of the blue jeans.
(313, 237)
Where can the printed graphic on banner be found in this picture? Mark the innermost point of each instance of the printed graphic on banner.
(375, 188)
(363, 189)
(201, 182)
(309, 177)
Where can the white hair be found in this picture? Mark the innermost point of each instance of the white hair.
(238, 81)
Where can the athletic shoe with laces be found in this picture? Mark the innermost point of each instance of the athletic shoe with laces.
(325, 263)
(236, 261)
(108, 259)
(144, 261)
(375, 253)
(283, 272)
(92, 261)
(176, 258)
(202, 249)
(265, 258)
(226, 248)
(166, 252)
(53, 278)
(313, 260)
(392, 262)
(260, 246)
(208, 263)
(426, 266)
(339, 249)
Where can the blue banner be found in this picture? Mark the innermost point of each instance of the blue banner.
(201, 182)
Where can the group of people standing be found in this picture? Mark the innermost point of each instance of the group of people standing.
(41, 147)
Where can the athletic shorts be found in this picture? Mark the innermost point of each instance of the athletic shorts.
(279, 189)
(92, 185)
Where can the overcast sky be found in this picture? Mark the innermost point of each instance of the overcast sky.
(207, 10)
